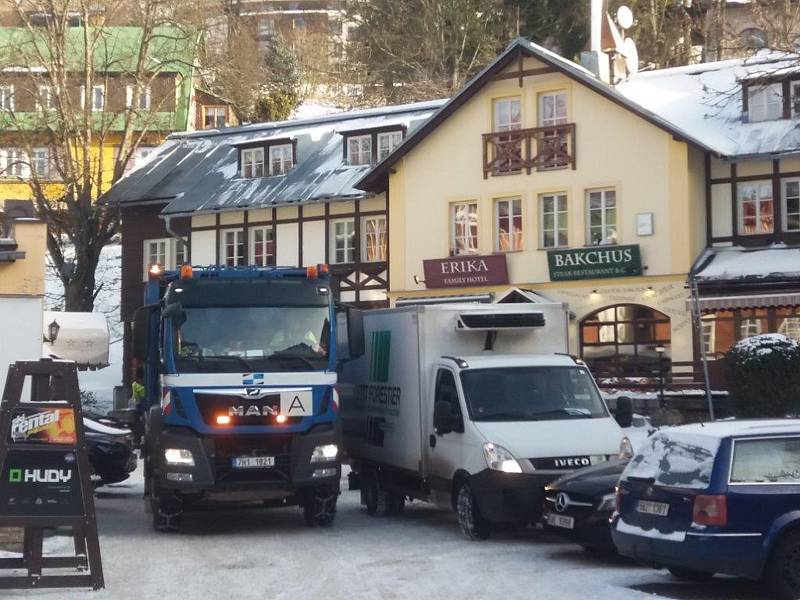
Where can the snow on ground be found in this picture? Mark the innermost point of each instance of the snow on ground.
(109, 273)
(271, 554)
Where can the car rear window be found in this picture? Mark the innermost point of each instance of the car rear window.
(766, 461)
(675, 459)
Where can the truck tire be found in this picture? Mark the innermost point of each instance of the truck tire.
(473, 524)
(783, 570)
(167, 510)
(319, 506)
(375, 498)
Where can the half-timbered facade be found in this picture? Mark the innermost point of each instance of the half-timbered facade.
(266, 194)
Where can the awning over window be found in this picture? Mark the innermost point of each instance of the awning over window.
(751, 266)
(748, 301)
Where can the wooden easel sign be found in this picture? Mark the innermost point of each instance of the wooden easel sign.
(45, 478)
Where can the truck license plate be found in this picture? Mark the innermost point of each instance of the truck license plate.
(560, 521)
(659, 509)
(253, 462)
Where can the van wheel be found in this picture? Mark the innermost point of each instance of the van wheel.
(689, 574)
(319, 506)
(373, 497)
(783, 570)
(472, 523)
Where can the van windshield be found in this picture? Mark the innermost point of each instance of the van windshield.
(531, 394)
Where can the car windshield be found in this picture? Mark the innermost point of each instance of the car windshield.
(253, 338)
(531, 394)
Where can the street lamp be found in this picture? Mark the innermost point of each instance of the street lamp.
(660, 349)
(52, 331)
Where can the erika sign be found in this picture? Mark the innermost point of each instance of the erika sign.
(597, 262)
(465, 271)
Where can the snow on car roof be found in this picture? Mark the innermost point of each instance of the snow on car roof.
(723, 429)
(523, 360)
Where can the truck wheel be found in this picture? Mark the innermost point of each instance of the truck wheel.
(783, 570)
(319, 506)
(472, 523)
(167, 510)
(374, 498)
(689, 574)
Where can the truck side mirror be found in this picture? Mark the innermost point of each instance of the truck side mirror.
(175, 312)
(355, 332)
(624, 412)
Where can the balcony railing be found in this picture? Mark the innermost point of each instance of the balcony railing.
(540, 148)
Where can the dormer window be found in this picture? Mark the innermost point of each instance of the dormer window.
(252, 163)
(371, 146)
(765, 102)
(281, 159)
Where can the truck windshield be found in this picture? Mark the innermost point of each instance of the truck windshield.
(531, 394)
(252, 338)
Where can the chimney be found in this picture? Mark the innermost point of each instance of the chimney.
(595, 60)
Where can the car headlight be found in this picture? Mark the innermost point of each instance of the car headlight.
(325, 453)
(500, 459)
(625, 449)
(607, 503)
(179, 456)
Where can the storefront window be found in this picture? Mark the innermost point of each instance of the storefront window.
(723, 328)
(625, 338)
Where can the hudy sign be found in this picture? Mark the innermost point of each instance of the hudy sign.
(466, 271)
(597, 262)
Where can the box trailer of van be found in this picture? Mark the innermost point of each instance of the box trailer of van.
(474, 407)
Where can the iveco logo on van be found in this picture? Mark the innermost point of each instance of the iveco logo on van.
(252, 410)
(572, 462)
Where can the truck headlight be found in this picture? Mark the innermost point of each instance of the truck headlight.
(607, 503)
(325, 453)
(500, 459)
(179, 456)
(625, 449)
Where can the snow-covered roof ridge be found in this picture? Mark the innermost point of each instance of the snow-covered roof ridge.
(736, 263)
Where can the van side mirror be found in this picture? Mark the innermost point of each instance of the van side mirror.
(175, 312)
(624, 412)
(355, 332)
(445, 419)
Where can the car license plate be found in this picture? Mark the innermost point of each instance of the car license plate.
(659, 509)
(253, 462)
(560, 521)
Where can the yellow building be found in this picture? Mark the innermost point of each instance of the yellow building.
(22, 270)
(539, 176)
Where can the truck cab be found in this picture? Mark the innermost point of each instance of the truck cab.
(240, 403)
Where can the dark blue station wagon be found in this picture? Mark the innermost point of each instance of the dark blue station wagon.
(719, 497)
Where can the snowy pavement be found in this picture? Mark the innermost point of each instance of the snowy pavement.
(271, 554)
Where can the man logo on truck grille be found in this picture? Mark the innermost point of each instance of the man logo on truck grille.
(379, 359)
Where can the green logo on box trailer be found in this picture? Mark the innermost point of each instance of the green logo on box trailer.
(379, 359)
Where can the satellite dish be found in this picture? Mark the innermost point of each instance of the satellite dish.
(624, 17)
(631, 55)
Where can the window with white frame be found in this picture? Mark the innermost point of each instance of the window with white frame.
(262, 246)
(343, 241)
(552, 108)
(232, 247)
(281, 159)
(252, 162)
(374, 242)
(601, 208)
(214, 117)
(14, 163)
(359, 150)
(6, 97)
(553, 215)
(765, 102)
(45, 98)
(756, 207)
(791, 204)
(463, 228)
(507, 117)
(167, 253)
(144, 97)
(97, 97)
(387, 142)
(508, 224)
(40, 163)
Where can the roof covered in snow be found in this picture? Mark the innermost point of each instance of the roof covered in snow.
(706, 100)
(199, 172)
(734, 263)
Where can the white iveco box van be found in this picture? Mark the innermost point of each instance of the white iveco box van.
(475, 407)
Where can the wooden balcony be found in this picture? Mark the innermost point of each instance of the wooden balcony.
(539, 148)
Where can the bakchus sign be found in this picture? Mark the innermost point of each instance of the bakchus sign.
(466, 271)
(597, 262)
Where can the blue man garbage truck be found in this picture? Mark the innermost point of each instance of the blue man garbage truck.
(239, 368)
